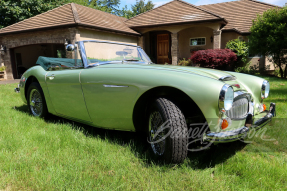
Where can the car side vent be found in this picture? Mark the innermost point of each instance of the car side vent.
(227, 78)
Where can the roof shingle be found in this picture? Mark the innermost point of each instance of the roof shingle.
(56, 17)
(71, 15)
(95, 18)
(239, 14)
(174, 12)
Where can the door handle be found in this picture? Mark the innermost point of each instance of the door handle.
(51, 77)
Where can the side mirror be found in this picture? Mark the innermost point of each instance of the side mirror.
(70, 47)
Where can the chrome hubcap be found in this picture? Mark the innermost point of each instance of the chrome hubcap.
(155, 123)
(36, 104)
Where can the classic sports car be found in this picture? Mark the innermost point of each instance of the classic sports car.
(116, 86)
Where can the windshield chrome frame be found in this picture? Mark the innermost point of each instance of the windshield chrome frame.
(81, 48)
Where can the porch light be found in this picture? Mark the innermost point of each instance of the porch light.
(3, 49)
(211, 39)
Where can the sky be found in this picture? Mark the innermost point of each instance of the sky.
(200, 2)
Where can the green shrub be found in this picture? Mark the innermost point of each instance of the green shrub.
(184, 62)
(255, 69)
(247, 69)
(277, 72)
(2, 68)
(240, 48)
(243, 69)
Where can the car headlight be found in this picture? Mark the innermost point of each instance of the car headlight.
(226, 97)
(265, 89)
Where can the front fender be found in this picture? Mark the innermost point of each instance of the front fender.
(253, 85)
(204, 91)
(40, 74)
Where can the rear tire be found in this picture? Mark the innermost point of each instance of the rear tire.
(167, 132)
(36, 100)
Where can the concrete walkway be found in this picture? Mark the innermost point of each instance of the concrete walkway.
(9, 81)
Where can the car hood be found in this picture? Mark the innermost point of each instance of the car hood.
(206, 72)
(211, 73)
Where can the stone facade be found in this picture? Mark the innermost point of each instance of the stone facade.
(174, 48)
(216, 39)
(141, 42)
(55, 36)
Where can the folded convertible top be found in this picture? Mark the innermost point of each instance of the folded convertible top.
(47, 62)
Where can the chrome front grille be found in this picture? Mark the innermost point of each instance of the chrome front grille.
(239, 109)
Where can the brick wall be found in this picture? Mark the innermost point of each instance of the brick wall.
(55, 36)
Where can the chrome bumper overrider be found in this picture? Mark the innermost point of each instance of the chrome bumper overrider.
(228, 136)
(17, 90)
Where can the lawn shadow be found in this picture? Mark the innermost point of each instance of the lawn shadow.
(22, 108)
(216, 154)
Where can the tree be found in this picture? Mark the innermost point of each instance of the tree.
(141, 7)
(13, 11)
(268, 37)
(110, 6)
(240, 48)
(127, 13)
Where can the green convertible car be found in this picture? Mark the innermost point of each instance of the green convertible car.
(116, 86)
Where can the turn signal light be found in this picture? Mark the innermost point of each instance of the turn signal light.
(264, 107)
(224, 124)
(23, 79)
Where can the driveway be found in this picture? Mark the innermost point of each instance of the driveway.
(9, 81)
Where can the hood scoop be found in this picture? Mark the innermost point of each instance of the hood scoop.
(227, 78)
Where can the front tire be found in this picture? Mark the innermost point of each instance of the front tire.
(167, 133)
(36, 101)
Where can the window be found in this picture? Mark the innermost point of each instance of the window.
(240, 38)
(197, 41)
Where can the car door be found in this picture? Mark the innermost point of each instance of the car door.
(110, 97)
(66, 94)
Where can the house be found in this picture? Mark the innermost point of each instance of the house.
(167, 33)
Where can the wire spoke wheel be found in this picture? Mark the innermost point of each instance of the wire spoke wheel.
(36, 102)
(167, 131)
(155, 133)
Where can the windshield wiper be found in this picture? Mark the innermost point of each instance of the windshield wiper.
(132, 60)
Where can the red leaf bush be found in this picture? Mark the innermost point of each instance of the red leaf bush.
(215, 58)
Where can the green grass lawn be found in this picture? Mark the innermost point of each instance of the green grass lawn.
(58, 154)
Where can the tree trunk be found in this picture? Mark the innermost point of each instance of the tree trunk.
(281, 72)
(285, 71)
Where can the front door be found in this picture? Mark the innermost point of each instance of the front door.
(163, 48)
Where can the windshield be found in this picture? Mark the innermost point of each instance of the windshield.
(104, 52)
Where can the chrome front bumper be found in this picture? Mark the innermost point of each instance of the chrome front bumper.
(17, 90)
(228, 136)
